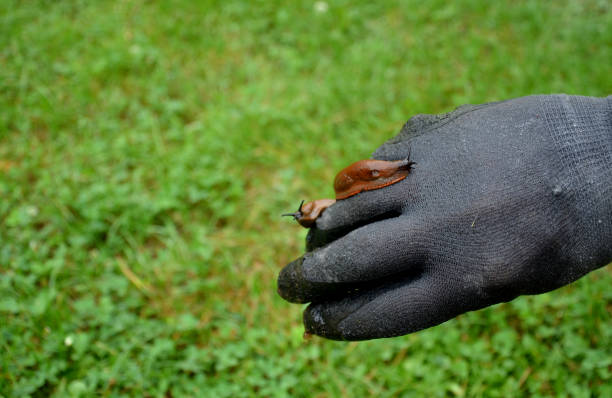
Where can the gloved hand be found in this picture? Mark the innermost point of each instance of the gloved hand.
(505, 199)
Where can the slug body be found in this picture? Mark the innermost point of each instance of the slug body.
(364, 175)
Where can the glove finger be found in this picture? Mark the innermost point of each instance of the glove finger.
(362, 207)
(371, 253)
(396, 309)
(359, 210)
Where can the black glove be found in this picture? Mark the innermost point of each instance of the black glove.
(505, 199)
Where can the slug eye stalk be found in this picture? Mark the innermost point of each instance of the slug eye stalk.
(297, 215)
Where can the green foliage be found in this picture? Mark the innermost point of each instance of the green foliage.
(147, 149)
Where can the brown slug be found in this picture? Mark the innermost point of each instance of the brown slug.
(364, 175)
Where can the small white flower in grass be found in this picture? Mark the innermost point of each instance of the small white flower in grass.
(68, 341)
(321, 7)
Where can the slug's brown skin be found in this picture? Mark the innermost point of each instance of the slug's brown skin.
(308, 213)
(364, 175)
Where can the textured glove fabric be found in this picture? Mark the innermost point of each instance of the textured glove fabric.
(505, 199)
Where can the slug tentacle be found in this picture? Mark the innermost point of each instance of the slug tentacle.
(297, 215)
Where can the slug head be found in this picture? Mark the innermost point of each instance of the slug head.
(307, 213)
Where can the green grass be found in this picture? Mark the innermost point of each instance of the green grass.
(147, 149)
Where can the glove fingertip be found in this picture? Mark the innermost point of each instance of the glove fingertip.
(288, 283)
(316, 323)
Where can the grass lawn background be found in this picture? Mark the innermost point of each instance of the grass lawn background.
(147, 149)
